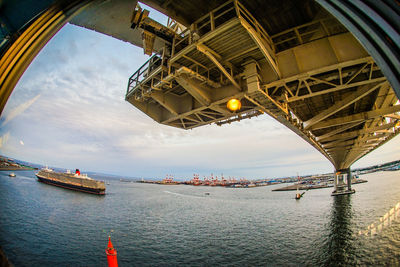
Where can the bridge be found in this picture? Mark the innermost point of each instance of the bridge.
(295, 61)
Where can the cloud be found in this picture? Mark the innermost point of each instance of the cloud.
(3, 139)
(18, 110)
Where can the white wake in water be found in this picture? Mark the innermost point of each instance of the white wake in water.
(181, 195)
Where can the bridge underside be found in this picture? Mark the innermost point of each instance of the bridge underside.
(314, 78)
(289, 59)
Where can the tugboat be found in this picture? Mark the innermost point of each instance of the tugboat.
(298, 195)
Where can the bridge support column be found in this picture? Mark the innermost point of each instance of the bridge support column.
(349, 177)
(342, 182)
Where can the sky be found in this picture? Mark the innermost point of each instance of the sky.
(68, 110)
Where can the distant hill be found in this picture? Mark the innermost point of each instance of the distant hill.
(95, 175)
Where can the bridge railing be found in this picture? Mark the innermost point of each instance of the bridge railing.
(306, 33)
(146, 70)
(203, 25)
(242, 12)
(217, 17)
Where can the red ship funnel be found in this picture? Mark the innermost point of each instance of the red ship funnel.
(111, 254)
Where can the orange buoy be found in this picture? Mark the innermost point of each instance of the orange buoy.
(111, 254)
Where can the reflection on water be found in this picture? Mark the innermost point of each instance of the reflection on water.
(343, 244)
(385, 221)
(339, 242)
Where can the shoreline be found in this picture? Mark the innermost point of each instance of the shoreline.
(17, 169)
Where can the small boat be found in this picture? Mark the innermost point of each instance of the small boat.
(12, 174)
(298, 195)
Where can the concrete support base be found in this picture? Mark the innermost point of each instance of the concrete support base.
(343, 183)
(345, 192)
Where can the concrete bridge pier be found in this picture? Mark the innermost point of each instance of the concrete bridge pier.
(342, 182)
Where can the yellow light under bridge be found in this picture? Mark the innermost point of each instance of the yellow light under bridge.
(234, 104)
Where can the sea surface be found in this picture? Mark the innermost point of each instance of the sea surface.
(156, 225)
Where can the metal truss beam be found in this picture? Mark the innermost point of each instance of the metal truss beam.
(334, 88)
(222, 100)
(354, 155)
(222, 110)
(393, 116)
(168, 101)
(376, 25)
(356, 133)
(336, 131)
(214, 57)
(354, 97)
(359, 117)
(343, 143)
(318, 71)
(199, 91)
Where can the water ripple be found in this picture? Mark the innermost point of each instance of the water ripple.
(42, 225)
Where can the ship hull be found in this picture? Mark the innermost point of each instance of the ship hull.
(96, 191)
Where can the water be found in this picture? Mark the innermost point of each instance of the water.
(153, 225)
